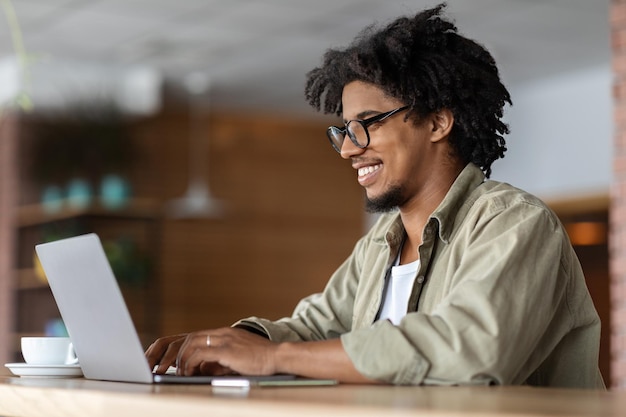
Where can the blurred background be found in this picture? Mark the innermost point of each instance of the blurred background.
(179, 133)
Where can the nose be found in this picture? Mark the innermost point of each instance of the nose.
(349, 149)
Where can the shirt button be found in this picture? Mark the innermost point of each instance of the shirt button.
(420, 280)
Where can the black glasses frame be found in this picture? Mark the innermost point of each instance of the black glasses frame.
(334, 131)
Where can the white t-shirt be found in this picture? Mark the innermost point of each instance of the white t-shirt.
(398, 291)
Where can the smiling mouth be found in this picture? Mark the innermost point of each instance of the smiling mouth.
(365, 172)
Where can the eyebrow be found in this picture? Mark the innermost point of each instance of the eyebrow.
(364, 114)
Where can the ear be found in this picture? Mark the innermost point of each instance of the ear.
(442, 122)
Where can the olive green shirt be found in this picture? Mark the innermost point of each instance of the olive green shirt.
(499, 298)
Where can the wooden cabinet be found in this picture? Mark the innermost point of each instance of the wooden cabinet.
(131, 237)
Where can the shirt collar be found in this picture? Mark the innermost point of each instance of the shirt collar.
(457, 200)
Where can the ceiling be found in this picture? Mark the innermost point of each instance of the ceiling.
(257, 52)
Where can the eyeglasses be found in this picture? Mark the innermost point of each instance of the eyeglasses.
(357, 130)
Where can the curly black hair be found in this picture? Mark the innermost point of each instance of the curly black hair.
(426, 64)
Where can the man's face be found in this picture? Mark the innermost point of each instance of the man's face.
(395, 166)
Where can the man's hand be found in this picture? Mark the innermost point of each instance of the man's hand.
(236, 351)
(226, 350)
(163, 352)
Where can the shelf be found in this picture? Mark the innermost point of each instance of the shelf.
(138, 221)
(138, 208)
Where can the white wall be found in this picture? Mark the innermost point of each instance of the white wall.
(560, 144)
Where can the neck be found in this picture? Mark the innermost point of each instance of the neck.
(416, 212)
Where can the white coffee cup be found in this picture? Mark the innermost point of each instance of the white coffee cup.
(48, 351)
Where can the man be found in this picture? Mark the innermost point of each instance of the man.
(462, 280)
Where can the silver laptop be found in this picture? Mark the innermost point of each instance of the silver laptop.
(97, 319)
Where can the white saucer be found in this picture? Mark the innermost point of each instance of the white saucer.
(45, 371)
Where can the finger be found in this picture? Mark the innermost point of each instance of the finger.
(183, 352)
(187, 349)
(157, 349)
(155, 352)
(163, 352)
(187, 366)
(152, 355)
(169, 357)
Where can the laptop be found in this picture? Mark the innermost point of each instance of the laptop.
(98, 322)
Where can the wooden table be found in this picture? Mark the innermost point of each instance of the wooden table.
(79, 397)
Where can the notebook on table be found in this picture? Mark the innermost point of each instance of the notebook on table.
(97, 318)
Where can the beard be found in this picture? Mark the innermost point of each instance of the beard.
(389, 201)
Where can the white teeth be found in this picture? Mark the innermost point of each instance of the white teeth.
(368, 170)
